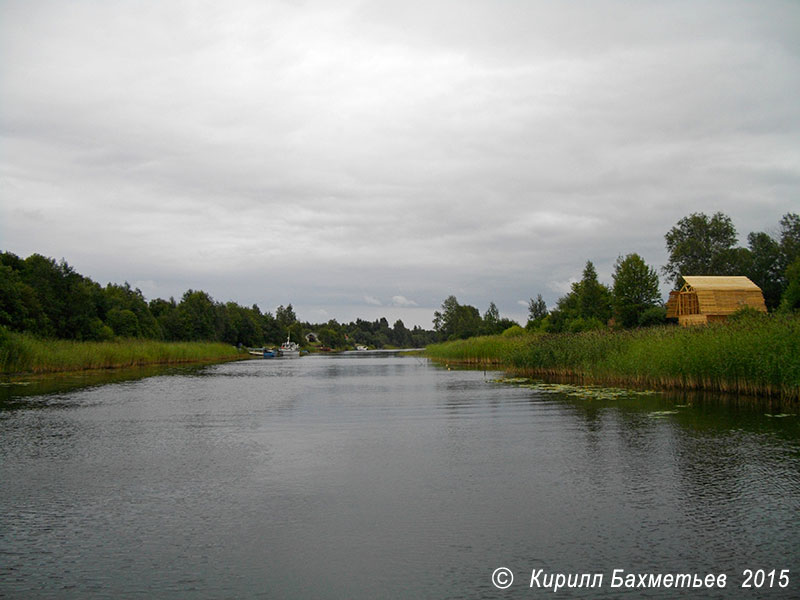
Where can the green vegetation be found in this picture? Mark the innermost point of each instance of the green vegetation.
(702, 245)
(618, 334)
(588, 306)
(50, 300)
(751, 354)
(460, 321)
(635, 292)
(25, 353)
(697, 244)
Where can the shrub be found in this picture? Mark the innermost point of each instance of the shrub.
(513, 331)
(655, 315)
(744, 314)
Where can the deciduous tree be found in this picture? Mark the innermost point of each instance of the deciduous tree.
(699, 245)
(456, 321)
(635, 289)
(537, 311)
(764, 267)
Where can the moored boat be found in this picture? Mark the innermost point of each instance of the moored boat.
(289, 349)
(262, 352)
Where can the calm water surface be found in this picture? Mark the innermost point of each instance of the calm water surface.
(383, 476)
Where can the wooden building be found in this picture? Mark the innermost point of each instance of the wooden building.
(703, 300)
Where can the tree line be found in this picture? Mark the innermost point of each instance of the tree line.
(50, 299)
(697, 245)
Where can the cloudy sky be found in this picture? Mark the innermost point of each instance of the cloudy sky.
(370, 158)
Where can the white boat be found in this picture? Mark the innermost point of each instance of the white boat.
(289, 349)
(362, 348)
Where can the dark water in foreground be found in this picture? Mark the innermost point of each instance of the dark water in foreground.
(381, 476)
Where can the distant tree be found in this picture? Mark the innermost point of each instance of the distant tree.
(491, 320)
(49, 298)
(70, 302)
(764, 267)
(285, 317)
(271, 332)
(360, 336)
(791, 296)
(635, 289)
(166, 314)
(444, 320)
(537, 311)
(12, 261)
(327, 337)
(456, 321)
(594, 297)
(339, 339)
(158, 306)
(198, 317)
(567, 309)
(123, 297)
(468, 323)
(19, 305)
(44, 277)
(401, 335)
(421, 337)
(123, 323)
(295, 332)
(240, 325)
(789, 241)
(85, 303)
(587, 306)
(250, 326)
(332, 336)
(699, 245)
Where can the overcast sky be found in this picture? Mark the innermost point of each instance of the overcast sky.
(365, 159)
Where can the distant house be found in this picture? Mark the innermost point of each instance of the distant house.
(312, 338)
(704, 300)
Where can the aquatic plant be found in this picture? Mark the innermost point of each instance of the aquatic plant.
(24, 353)
(755, 356)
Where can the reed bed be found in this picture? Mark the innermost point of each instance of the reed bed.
(23, 353)
(753, 356)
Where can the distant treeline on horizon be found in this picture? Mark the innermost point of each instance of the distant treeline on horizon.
(697, 245)
(48, 298)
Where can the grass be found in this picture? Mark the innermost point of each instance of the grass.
(23, 353)
(754, 356)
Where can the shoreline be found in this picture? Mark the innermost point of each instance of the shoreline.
(756, 357)
(729, 392)
(23, 355)
(110, 369)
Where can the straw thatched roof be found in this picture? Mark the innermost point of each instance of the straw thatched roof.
(713, 298)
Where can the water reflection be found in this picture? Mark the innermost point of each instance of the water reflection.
(380, 476)
(42, 391)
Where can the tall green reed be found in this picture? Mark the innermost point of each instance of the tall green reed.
(756, 355)
(23, 353)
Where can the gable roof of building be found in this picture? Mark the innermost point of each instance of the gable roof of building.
(721, 283)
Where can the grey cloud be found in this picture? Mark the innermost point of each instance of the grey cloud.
(323, 153)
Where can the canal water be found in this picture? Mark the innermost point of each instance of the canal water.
(386, 476)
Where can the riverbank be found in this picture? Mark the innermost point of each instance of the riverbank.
(23, 353)
(757, 356)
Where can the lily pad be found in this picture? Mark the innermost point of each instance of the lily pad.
(662, 413)
(586, 392)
